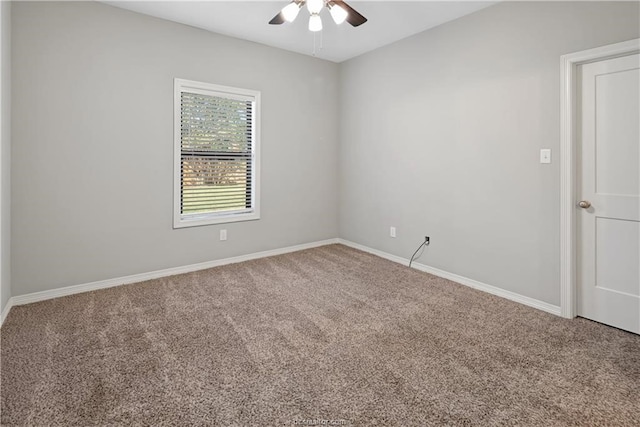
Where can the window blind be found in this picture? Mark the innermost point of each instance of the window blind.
(216, 149)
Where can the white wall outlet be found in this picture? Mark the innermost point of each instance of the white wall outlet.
(223, 234)
(392, 232)
(545, 155)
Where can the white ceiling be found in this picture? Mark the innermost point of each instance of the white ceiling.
(389, 21)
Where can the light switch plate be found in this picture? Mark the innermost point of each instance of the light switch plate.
(545, 155)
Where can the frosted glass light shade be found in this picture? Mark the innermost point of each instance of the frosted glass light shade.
(315, 6)
(338, 14)
(315, 23)
(290, 11)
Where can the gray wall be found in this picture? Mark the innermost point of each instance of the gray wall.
(441, 132)
(92, 144)
(5, 155)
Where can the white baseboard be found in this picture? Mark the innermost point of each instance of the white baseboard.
(135, 278)
(5, 311)
(531, 302)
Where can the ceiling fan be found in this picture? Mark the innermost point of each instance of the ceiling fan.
(339, 10)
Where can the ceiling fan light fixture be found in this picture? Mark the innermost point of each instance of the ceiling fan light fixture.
(290, 11)
(315, 6)
(315, 23)
(338, 14)
(340, 11)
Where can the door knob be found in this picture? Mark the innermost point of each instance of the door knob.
(584, 204)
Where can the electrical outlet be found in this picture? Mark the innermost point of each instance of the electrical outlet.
(223, 234)
(392, 232)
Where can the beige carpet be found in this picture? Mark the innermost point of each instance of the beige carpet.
(324, 335)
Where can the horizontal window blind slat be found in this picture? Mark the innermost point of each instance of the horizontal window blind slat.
(218, 198)
(200, 174)
(193, 189)
(203, 208)
(236, 201)
(211, 206)
(213, 197)
(214, 168)
(232, 162)
(208, 208)
(204, 156)
(222, 203)
(213, 172)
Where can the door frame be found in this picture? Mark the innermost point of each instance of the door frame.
(568, 143)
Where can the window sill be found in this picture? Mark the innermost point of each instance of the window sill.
(201, 220)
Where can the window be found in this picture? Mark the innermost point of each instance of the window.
(216, 154)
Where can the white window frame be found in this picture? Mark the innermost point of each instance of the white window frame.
(210, 218)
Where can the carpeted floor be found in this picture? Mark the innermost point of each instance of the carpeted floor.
(325, 335)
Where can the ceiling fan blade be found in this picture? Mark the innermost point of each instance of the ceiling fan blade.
(277, 20)
(354, 17)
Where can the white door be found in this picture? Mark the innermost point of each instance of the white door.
(609, 191)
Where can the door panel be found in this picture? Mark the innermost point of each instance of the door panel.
(617, 255)
(617, 149)
(609, 178)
